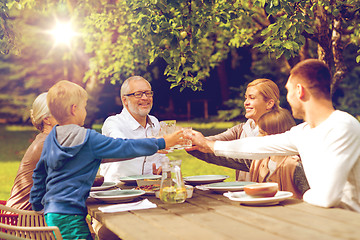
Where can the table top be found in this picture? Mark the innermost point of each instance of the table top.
(209, 215)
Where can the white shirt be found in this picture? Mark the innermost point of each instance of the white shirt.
(330, 154)
(123, 125)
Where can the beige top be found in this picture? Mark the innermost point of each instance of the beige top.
(20, 192)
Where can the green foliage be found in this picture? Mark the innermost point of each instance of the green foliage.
(8, 35)
(124, 38)
(191, 36)
(37, 68)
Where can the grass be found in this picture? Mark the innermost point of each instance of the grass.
(14, 140)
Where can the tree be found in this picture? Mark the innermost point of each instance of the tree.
(123, 38)
(8, 36)
(331, 25)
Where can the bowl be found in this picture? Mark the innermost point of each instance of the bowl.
(261, 189)
(189, 191)
(99, 180)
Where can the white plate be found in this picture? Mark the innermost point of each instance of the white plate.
(116, 196)
(227, 186)
(205, 179)
(132, 179)
(245, 199)
(104, 186)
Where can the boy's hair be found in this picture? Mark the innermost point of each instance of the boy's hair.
(276, 121)
(315, 75)
(62, 96)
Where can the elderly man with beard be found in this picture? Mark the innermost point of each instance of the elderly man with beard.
(134, 121)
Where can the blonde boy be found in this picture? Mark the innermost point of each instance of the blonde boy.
(71, 157)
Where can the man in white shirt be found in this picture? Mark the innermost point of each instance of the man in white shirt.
(328, 141)
(133, 122)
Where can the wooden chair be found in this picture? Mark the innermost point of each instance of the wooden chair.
(18, 232)
(8, 218)
(28, 225)
(25, 218)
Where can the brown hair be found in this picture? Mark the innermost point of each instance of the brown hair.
(62, 96)
(276, 121)
(268, 89)
(315, 75)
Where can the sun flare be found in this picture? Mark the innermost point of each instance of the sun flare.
(63, 33)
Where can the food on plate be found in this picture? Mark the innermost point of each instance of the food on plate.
(268, 189)
(99, 180)
(149, 188)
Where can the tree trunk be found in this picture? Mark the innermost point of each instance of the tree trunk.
(337, 48)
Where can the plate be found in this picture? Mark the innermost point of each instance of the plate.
(227, 186)
(205, 179)
(245, 199)
(116, 196)
(104, 186)
(132, 179)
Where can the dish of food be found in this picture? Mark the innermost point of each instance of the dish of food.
(132, 179)
(245, 199)
(116, 196)
(204, 179)
(149, 189)
(227, 186)
(104, 186)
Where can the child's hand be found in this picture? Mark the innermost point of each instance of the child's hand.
(173, 139)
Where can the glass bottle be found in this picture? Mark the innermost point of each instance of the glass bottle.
(172, 188)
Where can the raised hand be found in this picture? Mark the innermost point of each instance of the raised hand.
(201, 143)
(176, 138)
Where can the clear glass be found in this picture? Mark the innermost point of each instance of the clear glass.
(172, 188)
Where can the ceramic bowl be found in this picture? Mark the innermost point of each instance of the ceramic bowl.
(262, 189)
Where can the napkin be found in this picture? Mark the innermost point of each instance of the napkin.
(143, 204)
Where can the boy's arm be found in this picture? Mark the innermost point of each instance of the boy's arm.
(107, 147)
(39, 186)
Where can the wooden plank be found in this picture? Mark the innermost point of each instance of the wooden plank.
(153, 223)
(260, 217)
(179, 226)
(336, 214)
(212, 216)
(318, 223)
(225, 226)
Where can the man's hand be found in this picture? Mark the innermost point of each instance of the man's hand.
(201, 143)
(156, 171)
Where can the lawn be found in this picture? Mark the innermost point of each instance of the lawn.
(14, 141)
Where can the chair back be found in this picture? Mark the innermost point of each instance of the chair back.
(29, 225)
(25, 218)
(40, 233)
(7, 218)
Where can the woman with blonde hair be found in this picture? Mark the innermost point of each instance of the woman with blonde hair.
(44, 122)
(261, 96)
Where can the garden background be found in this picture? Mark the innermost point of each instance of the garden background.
(14, 140)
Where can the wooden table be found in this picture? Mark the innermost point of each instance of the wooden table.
(208, 215)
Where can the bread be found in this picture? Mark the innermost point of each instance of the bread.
(99, 180)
